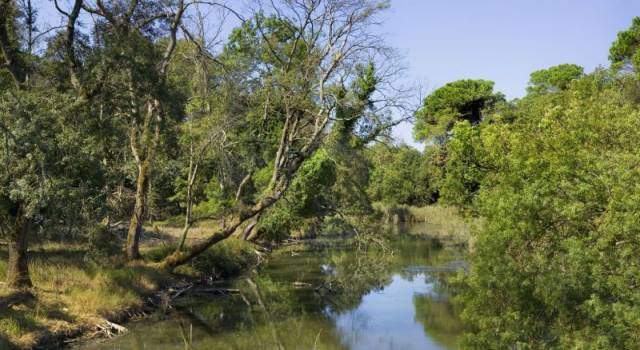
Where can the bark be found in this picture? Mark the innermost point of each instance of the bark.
(18, 267)
(183, 237)
(135, 225)
(181, 257)
(249, 229)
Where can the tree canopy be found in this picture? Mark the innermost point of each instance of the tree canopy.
(456, 101)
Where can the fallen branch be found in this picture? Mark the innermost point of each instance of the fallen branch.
(108, 328)
(301, 284)
(216, 291)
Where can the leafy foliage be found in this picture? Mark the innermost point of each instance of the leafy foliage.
(555, 78)
(50, 167)
(625, 51)
(399, 176)
(308, 198)
(455, 101)
(553, 266)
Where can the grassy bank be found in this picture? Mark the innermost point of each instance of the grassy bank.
(441, 221)
(74, 294)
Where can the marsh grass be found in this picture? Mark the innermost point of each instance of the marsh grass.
(442, 221)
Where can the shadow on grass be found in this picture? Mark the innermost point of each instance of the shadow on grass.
(66, 285)
(21, 317)
(62, 255)
(6, 344)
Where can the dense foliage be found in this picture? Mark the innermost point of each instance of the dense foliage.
(554, 175)
(399, 175)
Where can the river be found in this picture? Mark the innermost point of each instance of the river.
(319, 296)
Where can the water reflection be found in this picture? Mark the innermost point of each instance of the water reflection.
(317, 297)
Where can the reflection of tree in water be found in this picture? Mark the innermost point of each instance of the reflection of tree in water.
(292, 301)
(419, 252)
(266, 315)
(352, 275)
(438, 318)
(273, 311)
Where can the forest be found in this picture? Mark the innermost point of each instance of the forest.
(151, 146)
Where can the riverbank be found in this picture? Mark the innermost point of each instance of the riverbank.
(75, 295)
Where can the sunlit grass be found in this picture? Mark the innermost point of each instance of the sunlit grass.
(443, 221)
(73, 292)
(70, 293)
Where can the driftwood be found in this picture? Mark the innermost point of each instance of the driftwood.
(110, 329)
(301, 284)
(215, 291)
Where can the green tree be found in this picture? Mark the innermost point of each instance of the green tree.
(296, 57)
(554, 79)
(399, 176)
(625, 50)
(552, 266)
(456, 101)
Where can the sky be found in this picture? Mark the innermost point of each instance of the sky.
(500, 40)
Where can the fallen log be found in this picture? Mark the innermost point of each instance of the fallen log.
(215, 291)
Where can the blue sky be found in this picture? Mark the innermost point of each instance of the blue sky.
(500, 40)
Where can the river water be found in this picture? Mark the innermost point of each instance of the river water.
(319, 296)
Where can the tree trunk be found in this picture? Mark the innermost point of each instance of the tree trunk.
(18, 268)
(187, 225)
(181, 257)
(249, 229)
(135, 225)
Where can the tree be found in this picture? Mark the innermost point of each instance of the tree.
(454, 116)
(456, 101)
(625, 50)
(553, 265)
(554, 79)
(48, 155)
(399, 176)
(23, 152)
(126, 35)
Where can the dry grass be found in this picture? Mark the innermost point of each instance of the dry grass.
(69, 294)
(170, 231)
(73, 292)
